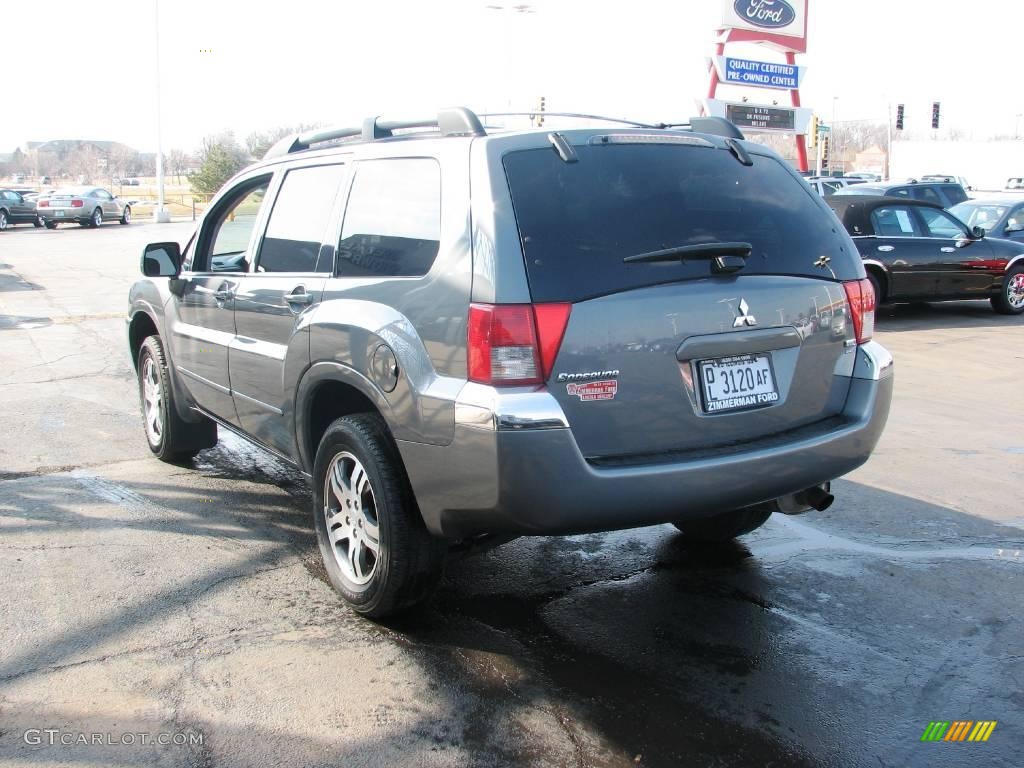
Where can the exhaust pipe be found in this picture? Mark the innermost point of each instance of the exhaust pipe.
(816, 497)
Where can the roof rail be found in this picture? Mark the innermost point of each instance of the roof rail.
(634, 123)
(453, 121)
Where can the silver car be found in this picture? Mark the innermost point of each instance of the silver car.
(88, 206)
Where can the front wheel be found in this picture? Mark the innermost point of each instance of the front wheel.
(3, 220)
(170, 437)
(1010, 300)
(725, 525)
(376, 550)
(96, 219)
(126, 217)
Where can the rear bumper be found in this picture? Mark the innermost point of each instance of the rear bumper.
(74, 215)
(514, 467)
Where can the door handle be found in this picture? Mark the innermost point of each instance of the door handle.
(223, 294)
(947, 249)
(299, 298)
(886, 248)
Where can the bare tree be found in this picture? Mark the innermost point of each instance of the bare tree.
(177, 164)
(258, 142)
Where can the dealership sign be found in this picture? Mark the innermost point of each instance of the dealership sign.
(768, 19)
(760, 74)
(760, 118)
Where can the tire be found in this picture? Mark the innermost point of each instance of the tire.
(725, 525)
(96, 220)
(126, 217)
(1010, 300)
(876, 286)
(38, 222)
(50, 224)
(4, 221)
(170, 437)
(358, 452)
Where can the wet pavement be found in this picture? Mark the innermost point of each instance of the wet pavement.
(151, 598)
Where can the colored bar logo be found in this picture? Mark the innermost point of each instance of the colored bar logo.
(958, 730)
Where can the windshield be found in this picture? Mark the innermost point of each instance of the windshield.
(979, 214)
(578, 221)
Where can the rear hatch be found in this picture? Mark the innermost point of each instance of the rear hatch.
(674, 352)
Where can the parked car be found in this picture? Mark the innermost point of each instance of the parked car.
(863, 176)
(1015, 182)
(944, 194)
(462, 337)
(998, 216)
(915, 251)
(829, 185)
(88, 206)
(947, 179)
(15, 208)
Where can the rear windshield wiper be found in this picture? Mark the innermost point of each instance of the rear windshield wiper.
(727, 257)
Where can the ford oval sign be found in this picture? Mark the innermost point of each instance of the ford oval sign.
(769, 14)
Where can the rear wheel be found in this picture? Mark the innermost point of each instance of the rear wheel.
(169, 436)
(876, 286)
(376, 550)
(38, 222)
(97, 218)
(3, 220)
(725, 525)
(50, 224)
(126, 217)
(1010, 300)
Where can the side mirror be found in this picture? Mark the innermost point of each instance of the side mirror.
(161, 260)
(977, 232)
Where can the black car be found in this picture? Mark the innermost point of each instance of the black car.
(916, 251)
(16, 209)
(944, 194)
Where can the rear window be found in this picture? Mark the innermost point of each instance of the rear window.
(955, 193)
(577, 221)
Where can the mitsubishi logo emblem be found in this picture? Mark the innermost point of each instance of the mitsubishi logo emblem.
(744, 317)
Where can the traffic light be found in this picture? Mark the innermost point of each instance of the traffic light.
(813, 132)
(540, 117)
(899, 117)
(935, 115)
(824, 152)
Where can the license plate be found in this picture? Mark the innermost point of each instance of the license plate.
(59, 213)
(737, 383)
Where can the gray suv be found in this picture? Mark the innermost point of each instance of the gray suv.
(464, 336)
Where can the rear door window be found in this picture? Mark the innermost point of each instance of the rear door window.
(578, 221)
(392, 224)
(894, 221)
(927, 194)
(954, 193)
(299, 219)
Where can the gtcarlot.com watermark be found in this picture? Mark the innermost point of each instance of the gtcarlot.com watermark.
(51, 737)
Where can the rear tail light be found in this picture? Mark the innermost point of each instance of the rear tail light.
(43, 204)
(514, 344)
(77, 203)
(861, 298)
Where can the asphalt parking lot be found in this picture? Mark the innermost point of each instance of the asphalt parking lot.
(142, 597)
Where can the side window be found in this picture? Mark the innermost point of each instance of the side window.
(898, 192)
(955, 193)
(928, 194)
(896, 221)
(393, 219)
(224, 240)
(940, 224)
(299, 219)
(1015, 221)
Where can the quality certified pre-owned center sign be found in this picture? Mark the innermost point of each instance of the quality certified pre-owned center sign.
(777, 17)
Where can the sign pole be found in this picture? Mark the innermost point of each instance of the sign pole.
(801, 139)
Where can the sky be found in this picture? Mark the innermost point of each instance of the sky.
(245, 65)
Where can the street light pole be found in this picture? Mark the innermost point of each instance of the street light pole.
(160, 215)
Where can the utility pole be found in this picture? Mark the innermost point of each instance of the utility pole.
(888, 141)
(160, 215)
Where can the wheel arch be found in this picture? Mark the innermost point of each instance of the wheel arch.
(879, 272)
(140, 327)
(327, 392)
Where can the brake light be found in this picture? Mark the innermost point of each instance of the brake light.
(514, 344)
(77, 203)
(861, 298)
(43, 204)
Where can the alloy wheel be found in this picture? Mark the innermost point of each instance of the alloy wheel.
(152, 397)
(351, 514)
(1015, 290)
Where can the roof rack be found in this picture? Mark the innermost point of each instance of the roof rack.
(455, 121)
(459, 121)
